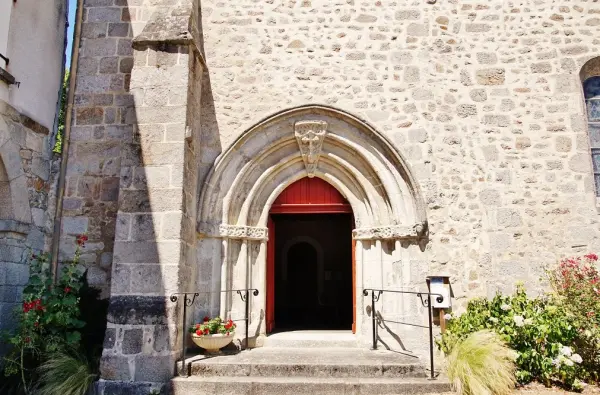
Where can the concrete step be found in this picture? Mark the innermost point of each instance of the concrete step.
(298, 362)
(196, 385)
(312, 339)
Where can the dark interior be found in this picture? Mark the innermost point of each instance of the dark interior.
(305, 245)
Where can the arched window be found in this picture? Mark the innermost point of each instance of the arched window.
(590, 79)
(6, 208)
(591, 90)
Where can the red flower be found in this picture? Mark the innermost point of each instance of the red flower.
(206, 319)
(36, 324)
(67, 290)
(27, 339)
(206, 331)
(197, 326)
(81, 239)
(199, 332)
(592, 257)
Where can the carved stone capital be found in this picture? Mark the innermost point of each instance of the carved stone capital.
(310, 136)
(390, 232)
(232, 231)
(243, 232)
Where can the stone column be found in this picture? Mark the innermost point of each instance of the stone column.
(154, 252)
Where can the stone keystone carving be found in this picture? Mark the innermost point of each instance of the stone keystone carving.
(310, 136)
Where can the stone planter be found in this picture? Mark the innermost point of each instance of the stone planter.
(212, 343)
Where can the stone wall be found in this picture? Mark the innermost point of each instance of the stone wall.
(482, 98)
(27, 189)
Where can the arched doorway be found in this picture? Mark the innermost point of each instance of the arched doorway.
(310, 265)
(239, 197)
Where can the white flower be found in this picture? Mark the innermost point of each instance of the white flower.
(556, 362)
(576, 358)
(568, 362)
(528, 321)
(519, 320)
(566, 351)
(493, 319)
(448, 316)
(505, 307)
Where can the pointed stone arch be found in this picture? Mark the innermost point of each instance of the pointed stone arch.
(317, 141)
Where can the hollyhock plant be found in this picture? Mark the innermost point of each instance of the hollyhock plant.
(213, 326)
(49, 319)
(576, 284)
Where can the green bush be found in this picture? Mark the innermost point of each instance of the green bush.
(538, 329)
(52, 322)
(481, 364)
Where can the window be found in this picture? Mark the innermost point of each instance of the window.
(591, 90)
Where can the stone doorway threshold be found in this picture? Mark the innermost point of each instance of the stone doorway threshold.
(312, 339)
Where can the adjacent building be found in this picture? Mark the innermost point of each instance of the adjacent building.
(32, 42)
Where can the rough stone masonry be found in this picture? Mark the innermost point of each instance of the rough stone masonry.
(482, 98)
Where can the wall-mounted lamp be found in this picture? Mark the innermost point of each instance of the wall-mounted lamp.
(440, 285)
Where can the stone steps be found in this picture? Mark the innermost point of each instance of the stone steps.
(309, 370)
(197, 385)
(314, 371)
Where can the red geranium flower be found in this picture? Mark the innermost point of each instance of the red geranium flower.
(27, 339)
(67, 289)
(206, 319)
(199, 332)
(206, 331)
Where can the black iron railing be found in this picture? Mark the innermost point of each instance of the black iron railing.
(190, 297)
(425, 298)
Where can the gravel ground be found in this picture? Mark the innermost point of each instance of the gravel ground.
(538, 389)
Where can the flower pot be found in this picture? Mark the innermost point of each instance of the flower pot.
(212, 343)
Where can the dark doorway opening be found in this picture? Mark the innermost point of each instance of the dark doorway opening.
(313, 271)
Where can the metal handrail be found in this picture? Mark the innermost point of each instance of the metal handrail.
(425, 302)
(190, 297)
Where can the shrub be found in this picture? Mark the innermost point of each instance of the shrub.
(49, 321)
(576, 283)
(481, 364)
(65, 372)
(537, 329)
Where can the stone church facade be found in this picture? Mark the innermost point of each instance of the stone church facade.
(457, 131)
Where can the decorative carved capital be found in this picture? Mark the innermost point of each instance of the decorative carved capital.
(243, 232)
(390, 232)
(310, 136)
(233, 231)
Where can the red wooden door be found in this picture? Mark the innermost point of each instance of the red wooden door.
(270, 313)
(305, 196)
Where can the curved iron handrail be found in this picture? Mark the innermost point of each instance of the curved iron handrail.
(190, 297)
(426, 302)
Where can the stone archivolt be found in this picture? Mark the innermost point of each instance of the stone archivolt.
(357, 160)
